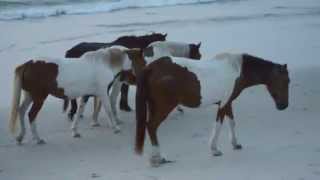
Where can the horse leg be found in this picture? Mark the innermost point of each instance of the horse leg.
(232, 125)
(22, 110)
(83, 102)
(73, 110)
(157, 115)
(107, 107)
(96, 110)
(180, 109)
(74, 126)
(36, 106)
(124, 98)
(215, 135)
(113, 99)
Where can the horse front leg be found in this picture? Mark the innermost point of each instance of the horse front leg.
(124, 98)
(96, 111)
(107, 107)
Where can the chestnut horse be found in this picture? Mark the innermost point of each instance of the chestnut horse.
(126, 41)
(169, 82)
(40, 78)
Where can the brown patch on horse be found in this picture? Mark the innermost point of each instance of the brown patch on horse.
(40, 78)
(162, 85)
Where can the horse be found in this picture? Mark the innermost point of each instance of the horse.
(154, 50)
(126, 41)
(169, 48)
(39, 78)
(168, 82)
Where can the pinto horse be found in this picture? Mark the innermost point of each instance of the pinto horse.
(40, 78)
(126, 41)
(169, 82)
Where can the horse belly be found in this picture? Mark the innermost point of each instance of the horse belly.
(217, 87)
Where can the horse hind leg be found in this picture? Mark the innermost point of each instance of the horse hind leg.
(157, 116)
(36, 106)
(82, 106)
(232, 124)
(22, 110)
(216, 133)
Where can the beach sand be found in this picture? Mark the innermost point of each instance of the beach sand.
(276, 145)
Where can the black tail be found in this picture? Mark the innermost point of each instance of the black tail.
(141, 109)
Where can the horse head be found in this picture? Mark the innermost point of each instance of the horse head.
(278, 86)
(194, 52)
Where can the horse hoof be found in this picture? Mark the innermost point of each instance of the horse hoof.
(125, 108)
(116, 130)
(76, 135)
(217, 153)
(41, 142)
(181, 111)
(19, 140)
(237, 147)
(96, 124)
(156, 161)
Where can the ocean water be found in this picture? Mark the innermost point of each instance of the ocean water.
(25, 9)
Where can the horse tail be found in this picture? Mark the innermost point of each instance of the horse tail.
(65, 105)
(17, 88)
(141, 109)
(234, 59)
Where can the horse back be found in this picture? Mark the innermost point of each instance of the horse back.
(81, 48)
(172, 81)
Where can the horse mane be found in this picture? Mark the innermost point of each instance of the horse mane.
(142, 37)
(234, 59)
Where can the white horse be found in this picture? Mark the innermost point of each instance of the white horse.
(63, 78)
(169, 48)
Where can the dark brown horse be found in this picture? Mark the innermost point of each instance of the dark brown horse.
(168, 82)
(126, 41)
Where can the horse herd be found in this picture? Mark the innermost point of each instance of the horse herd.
(167, 75)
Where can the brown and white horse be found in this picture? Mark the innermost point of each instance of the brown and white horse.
(42, 77)
(169, 82)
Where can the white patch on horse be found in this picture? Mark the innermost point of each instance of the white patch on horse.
(216, 76)
(168, 48)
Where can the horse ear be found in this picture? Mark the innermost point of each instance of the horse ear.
(165, 35)
(199, 44)
(285, 66)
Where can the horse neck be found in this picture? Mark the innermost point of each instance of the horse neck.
(256, 71)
